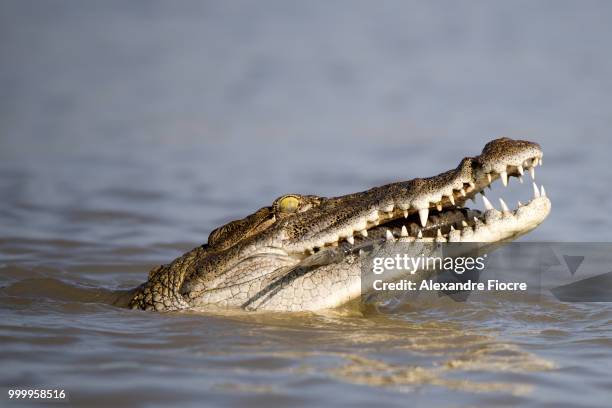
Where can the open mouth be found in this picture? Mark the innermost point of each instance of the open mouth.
(450, 219)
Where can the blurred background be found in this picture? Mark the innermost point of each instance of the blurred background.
(130, 129)
(154, 121)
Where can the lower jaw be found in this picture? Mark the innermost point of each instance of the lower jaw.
(490, 226)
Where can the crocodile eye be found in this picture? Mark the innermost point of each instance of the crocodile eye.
(288, 204)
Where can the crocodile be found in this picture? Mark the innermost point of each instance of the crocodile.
(272, 260)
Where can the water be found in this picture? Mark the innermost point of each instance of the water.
(128, 131)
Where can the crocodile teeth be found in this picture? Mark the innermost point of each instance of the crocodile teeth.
(439, 233)
(520, 179)
(462, 192)
(503, 205)
(536, 192)
(389, 235)
(519, 204)
(542, 191)
(350, 240)
(420, 234)
(439, 206)
(464, 224)
(452, 228)
(405, 213)
(504, 178)
(487, 203)
(423, 214)
(364, 233)
(404, 232)
(451, 199)
(520, 169)
(489, 177)
(532, 172)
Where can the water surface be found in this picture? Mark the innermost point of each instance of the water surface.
(128, 131)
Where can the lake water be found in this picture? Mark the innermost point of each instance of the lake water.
(129, 130)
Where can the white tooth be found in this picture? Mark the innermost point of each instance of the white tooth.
(535, 162)
(439, 233)
(423, 214)
(420, 234)
(464, 224)
(487, 203)
(451, 199)
(389, 235)
(361, 252)
(472, 185)
(503, 205)
(452, 228)
(532, 172)
(541, 160)
(364, 233)
(462, 192)
(504, 178)
(536, 192)
(405, 213)
(542, 191)
(489, 177)
(404, 232)
(520, 169)
(439, 206)
(520, 179)
(520, 204)
(350, 240)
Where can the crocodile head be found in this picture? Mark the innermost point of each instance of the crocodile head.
(251, 263)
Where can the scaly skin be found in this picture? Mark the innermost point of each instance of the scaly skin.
(301, 252)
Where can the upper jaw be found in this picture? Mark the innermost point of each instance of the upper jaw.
(354, 215)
